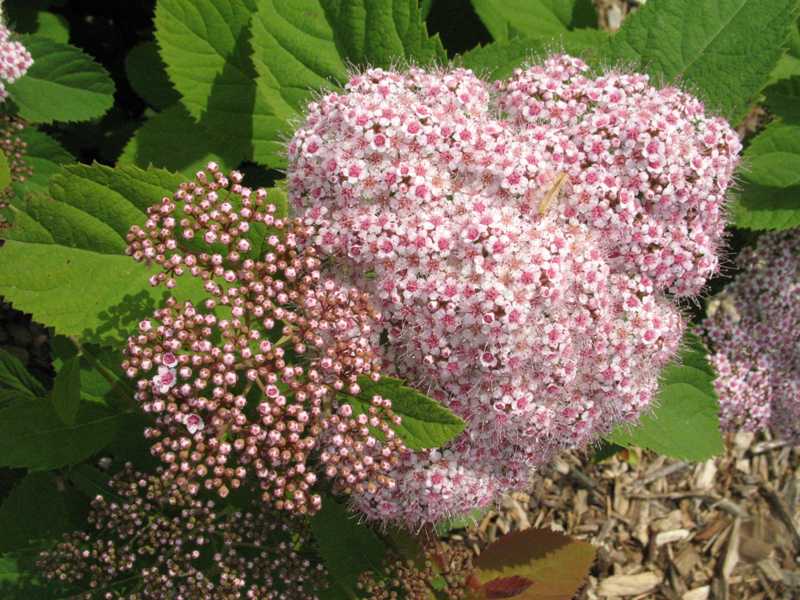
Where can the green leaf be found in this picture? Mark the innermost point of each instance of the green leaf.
(66, 393)
(783, 99)
(92, 207)
(5, 172)
(14, 376)
(382, 32)
(685, 421)
(294, 56)
(538, 564)
(507, 19)
(32, 435)
(35, 512)
(67, 225)
(769, 199)
(773, 157)
(64, 84)
(347, 547)
(173, 141)
(44, 155)
(722, 50)
(97, 297)
(766, 208)
(425, 422)
(147, 75)
(499, 59)
(224, 91)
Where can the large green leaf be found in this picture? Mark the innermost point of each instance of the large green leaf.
(507, 19)
(90, 207)
(499, 59)
(97, 297)
(766, 208)
(722, 50)
(347, 547)
(293, 52)
(773, 157)
(147, 75)
(34, 512)
(770, 195)
(685, 421)
(223, 90)
(783, 99)
(32, 435)
(5, 172)
(172, 140)
(64, 84)
(382, 33)
(425, 422)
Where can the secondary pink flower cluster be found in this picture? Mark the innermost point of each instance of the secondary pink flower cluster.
(521, 242)
(15, 60)
(754, 330)
(245, 384)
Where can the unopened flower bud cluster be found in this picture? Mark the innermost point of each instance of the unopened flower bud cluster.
(754, 332)
(524, 242)
(245, 384)
(152, 540)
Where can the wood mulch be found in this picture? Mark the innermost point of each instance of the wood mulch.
(727, 528)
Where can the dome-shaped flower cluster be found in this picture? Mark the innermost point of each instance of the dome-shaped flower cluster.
(14, 148)
(15, 60)
(245, 383)
(151, 540)
(754, 332)
(520, 243)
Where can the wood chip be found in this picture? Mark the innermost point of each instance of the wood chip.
(669, 537)
(701, 593)
(629, 585)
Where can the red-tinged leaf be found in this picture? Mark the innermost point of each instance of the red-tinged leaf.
(506, 587)
(556, 563)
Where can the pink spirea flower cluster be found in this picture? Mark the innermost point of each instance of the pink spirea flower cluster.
(521, 241)
(754, 331)
(15, 60)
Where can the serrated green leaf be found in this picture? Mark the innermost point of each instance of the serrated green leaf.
(382, 33)
(499, 59)
(539, 564)
(766, 208)
(425, 422)
(44, 155)
(722, 50)
(35, 512)
(147, 75)
(67, 225)
(66, 392)
(783, 99)
(97, 297)
(33, 436)
(773, 157)
(63, 84)
(221, 91)
(14, 376)
(347, 547)
(507, 19)
(685, 421)
(91, 207)
(172, 140)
